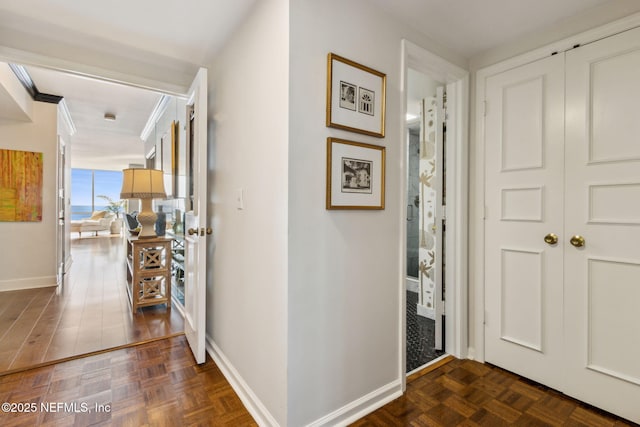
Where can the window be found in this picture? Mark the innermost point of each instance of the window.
(87, 185)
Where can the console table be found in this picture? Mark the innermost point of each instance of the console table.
(148, 271)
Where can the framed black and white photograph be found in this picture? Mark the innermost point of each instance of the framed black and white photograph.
(366, 101)
(355, 175)
(348, 96)
(355, 97)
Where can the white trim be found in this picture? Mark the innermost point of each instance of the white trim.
(412, 284)
(423, 311)
(67, 264)
(476, 273)
(8, 54)
(66, 117)
(457, 80)
(457, 237)
(28, 283)
(256, 408)
(158, 111)
(361, 407)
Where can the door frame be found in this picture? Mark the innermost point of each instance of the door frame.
(457, 81)
(477, 205)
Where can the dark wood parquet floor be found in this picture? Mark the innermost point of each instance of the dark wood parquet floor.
(153, 384)
(468, 393)
(159, 384)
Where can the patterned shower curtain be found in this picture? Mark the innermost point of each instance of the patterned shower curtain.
(427, 243)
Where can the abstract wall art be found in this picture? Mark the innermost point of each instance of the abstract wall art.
(20, 186)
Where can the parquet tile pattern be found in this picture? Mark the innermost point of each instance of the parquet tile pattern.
(159, 384)
(468, 393)
(153, 384)
(90, 313)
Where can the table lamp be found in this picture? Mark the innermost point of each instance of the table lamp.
(146, 185)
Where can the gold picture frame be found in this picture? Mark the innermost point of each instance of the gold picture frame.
(355, 175)
(169, 144)
(356, 97)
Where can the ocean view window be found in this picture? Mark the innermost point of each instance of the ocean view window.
(87, 185)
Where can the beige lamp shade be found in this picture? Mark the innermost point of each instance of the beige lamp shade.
(142, 184)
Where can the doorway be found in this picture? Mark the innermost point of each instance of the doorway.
(426, 145)
(453, 81)
(88, 311)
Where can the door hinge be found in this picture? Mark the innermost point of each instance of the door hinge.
(484, 108)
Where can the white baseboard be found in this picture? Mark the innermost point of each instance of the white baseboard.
(423, 311)
(412, 284)
(361, 407)
(29, 283)
(341, 417)
(253, 404)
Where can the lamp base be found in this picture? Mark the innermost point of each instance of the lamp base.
(147, 219)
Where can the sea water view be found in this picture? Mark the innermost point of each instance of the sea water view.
(87, 185)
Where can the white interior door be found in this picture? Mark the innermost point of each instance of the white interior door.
(602, 278)
(195, 218)
(524, 127)
(566, 314)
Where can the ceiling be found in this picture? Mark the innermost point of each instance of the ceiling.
(465, 27)
(100, 143)
(470, 27)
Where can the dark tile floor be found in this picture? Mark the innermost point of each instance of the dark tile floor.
(420, 336)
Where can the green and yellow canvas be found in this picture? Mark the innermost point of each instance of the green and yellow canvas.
(20, 186)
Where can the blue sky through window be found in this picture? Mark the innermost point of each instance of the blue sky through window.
(83, 181)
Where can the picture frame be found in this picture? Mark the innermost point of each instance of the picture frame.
(169, 160)
(355, 175)
(356, 97)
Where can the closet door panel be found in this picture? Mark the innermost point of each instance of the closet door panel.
(602, 205)
(524, 173)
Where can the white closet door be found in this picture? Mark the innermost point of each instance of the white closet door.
(602, 278)
(524, 133)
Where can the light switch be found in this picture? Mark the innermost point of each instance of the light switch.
(240, 198)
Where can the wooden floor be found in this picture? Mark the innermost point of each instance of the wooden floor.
(91, 312)
(468, 393)
(154, 384)
(159, 384)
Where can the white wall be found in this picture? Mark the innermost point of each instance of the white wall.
(590, 18)
(247, 274)
(344, 266)
(29, 258)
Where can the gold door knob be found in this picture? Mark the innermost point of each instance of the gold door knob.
(577, 241)
(209, 230)
(192, 231)
(551, 239)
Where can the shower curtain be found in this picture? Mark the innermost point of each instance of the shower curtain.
(428, 197)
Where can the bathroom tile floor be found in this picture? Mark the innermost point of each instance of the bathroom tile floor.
(420, 336)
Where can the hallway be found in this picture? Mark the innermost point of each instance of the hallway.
(92, 312)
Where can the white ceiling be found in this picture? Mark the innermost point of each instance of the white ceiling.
(193, 30)
(98, 143)
(189, 30)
